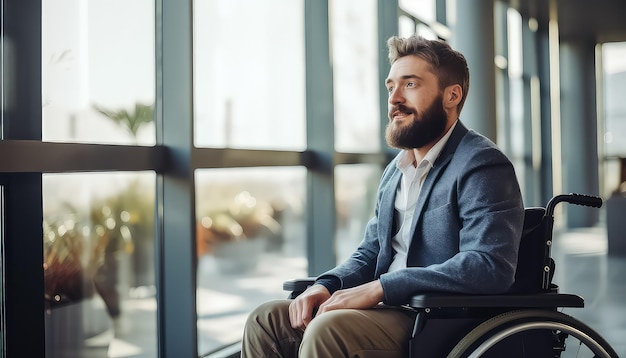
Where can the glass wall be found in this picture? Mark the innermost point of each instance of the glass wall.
(99, 265)
(355, 86)
(98, 86)
(98, 65)
(250, 238)
(614, 147)
(249, 74)
(249, 93)
(516, 110)
(355, 198)
(420, 17)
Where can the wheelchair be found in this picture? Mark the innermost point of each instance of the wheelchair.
(527, 321)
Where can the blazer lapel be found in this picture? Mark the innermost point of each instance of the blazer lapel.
(386, 219)
(435, 172)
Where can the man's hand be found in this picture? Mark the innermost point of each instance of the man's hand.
(360, 297)
(317, 297)
(302, 307)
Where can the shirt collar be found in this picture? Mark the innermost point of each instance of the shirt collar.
(407, 157)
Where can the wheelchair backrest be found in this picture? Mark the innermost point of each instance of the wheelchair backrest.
(533, 256)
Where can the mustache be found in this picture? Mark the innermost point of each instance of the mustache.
(401, 108)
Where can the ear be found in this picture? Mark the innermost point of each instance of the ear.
(452, 96)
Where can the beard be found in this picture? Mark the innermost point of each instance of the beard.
(424, 129)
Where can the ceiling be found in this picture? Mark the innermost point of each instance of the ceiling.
(594, 20)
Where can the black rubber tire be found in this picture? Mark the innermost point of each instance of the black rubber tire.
(525, 320)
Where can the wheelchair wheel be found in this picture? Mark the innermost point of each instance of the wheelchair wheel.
(532, 333)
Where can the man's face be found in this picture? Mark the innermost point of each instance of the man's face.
(417, 118)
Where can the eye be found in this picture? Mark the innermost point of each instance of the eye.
(411, 84)
(389, 90)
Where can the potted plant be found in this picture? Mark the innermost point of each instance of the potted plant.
(237, 233)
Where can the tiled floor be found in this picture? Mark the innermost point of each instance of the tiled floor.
(584, 267)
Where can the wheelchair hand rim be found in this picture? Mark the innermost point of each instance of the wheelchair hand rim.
(484, 347)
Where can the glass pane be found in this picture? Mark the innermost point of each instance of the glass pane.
(425, 10)
(251, 237)
(406, 26)
(98, 71)
(516, 92)
(426, 31)
(355, 70)
(613, 55)
(99, 265)
(355, 191)
(614, 69)
(249, 74)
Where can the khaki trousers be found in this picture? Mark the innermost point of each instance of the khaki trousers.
(381, 332)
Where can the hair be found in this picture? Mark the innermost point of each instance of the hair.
(447, 64)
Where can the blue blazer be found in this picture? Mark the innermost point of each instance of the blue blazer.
(467, 226)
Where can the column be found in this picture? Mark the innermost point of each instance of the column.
(579, 127)
(473, 36)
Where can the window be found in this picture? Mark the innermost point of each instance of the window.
(249, 74)
(356, 85)
(251, 237)
(614, 148)
(355, 197)
(98, 71)
(426, 10)
(99, 264)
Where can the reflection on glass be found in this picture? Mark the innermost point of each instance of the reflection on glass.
(355, 70)
(98, 71)
(99, 265)
(355, 191)
(251, 238)
(249, 74)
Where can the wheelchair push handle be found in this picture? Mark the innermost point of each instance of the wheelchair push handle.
(587, 200)
(576, 199)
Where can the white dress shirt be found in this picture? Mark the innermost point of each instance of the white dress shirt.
(406, 197)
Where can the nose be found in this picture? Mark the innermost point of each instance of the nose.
(395, 96)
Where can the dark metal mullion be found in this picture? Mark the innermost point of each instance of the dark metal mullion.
(22, 156)
(314, 160)
(23, 212)
(361, 158)
(231, 158)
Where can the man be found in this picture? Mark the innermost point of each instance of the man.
(448, 218)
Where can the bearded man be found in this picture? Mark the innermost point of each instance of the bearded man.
(448, 218)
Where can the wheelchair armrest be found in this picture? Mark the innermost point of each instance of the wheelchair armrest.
(298, 285)
(533, 300)
(452, 300)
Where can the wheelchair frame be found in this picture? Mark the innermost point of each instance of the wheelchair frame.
(524, 322)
